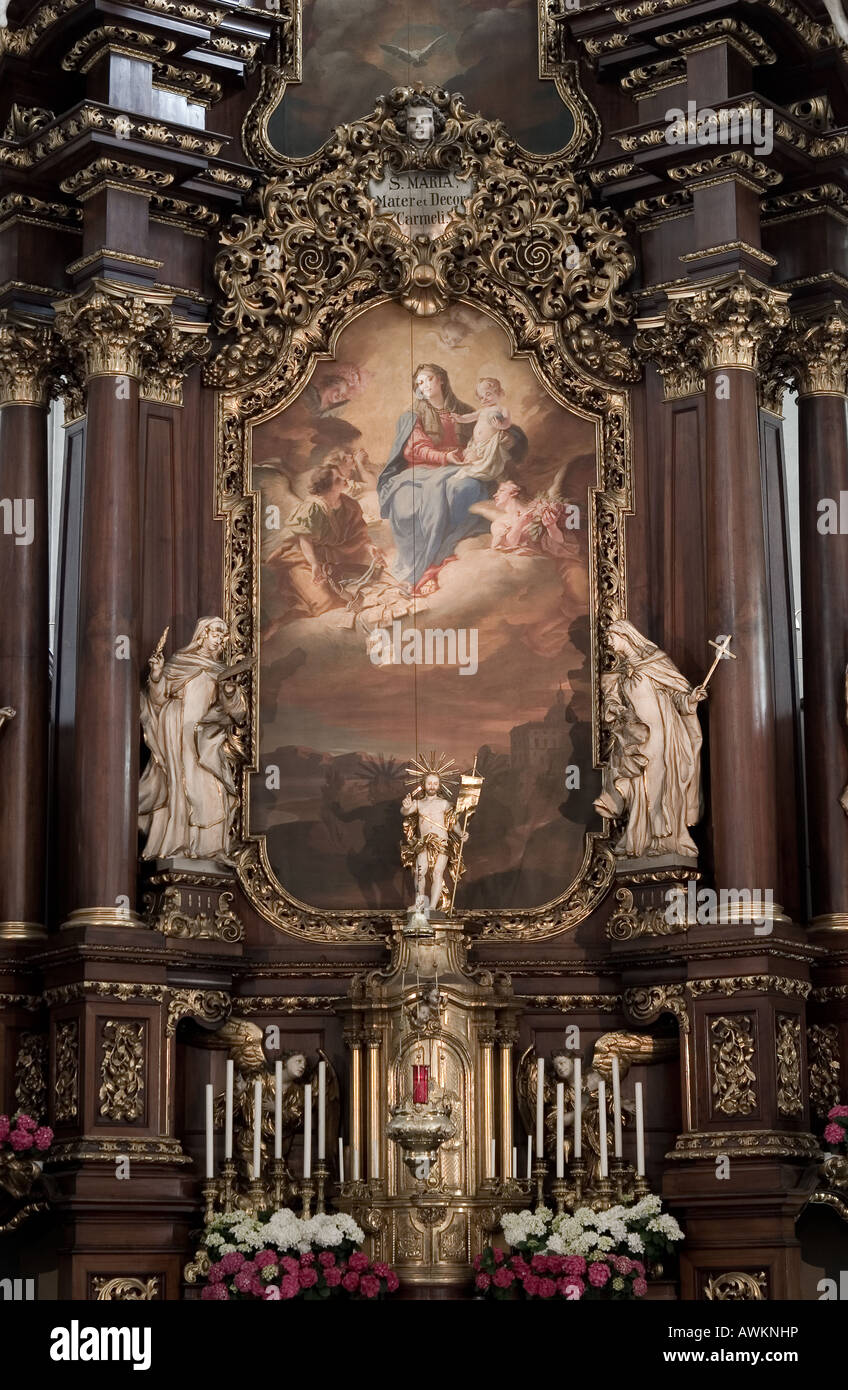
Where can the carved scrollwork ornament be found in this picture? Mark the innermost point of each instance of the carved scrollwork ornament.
(731, 1054)
(645, 1004)
(184, 345)
(208, 1006)
(126, 1287)
(736, 1285)
(31, 1074)
(628, 921)
(121, 1091)
(529, 224)
(823, 1067)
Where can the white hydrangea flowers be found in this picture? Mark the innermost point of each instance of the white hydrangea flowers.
(282, 1231)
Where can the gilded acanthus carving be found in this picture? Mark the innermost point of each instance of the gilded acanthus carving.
(644, 1004)
(171, 920)
(628, 921)
(528, 224)
(121, 1093)
(185, 345)
(724, 324)
(736, 1285)
(731, 1053)
(788, 1059)
(31, 1074)
(111, 331)
(107, 1287)
(823, 1067)
(28, 367)
(67, 1070)
(210, 1006)
(729, 985)
(745, 1144)
(822, 349)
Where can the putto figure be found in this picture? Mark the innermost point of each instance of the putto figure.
(432, 837)
(189, 713)
(654, 769)
(420, 121)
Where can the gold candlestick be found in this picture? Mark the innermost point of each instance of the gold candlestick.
(279, 1182)
(577, 1169)
(228, 1178)
(322, 1173)
(306, 1189)
(559, 1192)
(210, 1192)
(540, 1172)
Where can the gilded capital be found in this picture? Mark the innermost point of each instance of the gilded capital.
(672, 352)
(185, 344)
(27, 361)
(112, 330)
(727, 322)
(822, 349)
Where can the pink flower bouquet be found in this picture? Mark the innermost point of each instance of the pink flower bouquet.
(836, 1129)
(275, 1276)
(570, 1277)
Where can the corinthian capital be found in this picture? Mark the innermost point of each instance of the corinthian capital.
(822, 351)
(185, 344)
(112, 330)
(27, 361)
(727, 322)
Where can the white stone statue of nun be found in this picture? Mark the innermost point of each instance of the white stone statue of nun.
(188, 794)
(654, 769)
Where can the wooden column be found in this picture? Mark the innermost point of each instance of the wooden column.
(823, 469)
(730, 318)
(113, 332)
(25, 361)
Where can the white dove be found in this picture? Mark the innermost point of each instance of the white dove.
(416, 57)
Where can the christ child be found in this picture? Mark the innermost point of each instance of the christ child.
(485, 456)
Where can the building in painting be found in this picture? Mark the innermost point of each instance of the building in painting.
(312, 316)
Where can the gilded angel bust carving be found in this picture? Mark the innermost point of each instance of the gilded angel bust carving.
(190, 712)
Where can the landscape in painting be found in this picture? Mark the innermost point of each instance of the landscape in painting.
(424, 587)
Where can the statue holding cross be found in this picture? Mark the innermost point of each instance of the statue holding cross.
(653, 772)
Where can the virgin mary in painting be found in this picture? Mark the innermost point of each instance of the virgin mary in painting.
(425, 493)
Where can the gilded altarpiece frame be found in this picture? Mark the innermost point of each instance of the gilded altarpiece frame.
(528, 249)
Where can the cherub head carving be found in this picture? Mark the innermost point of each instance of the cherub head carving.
(420, 121)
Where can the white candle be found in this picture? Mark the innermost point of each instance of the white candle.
(307, 1131)
(529, 1155)
(492, 1159)
(341, 1159)
(616, 1108)
(210, 1160)
(640, 1132)
(356, 1165)
(602, 1127)
(540, 1108)
(560, 1130)
(322, 1117)
(278, 1109)
(514, 1173)
(578, 1108)
(228, 1112)
(257, 1128)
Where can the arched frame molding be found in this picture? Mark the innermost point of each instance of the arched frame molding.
(529, 249)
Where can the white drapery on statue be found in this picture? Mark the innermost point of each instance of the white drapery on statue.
(188, 794)
(654, 770)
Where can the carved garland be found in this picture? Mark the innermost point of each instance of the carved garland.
(530, 250)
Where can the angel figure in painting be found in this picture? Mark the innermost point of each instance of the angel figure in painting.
(654, 770)
(432, 843)
(190, 714)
